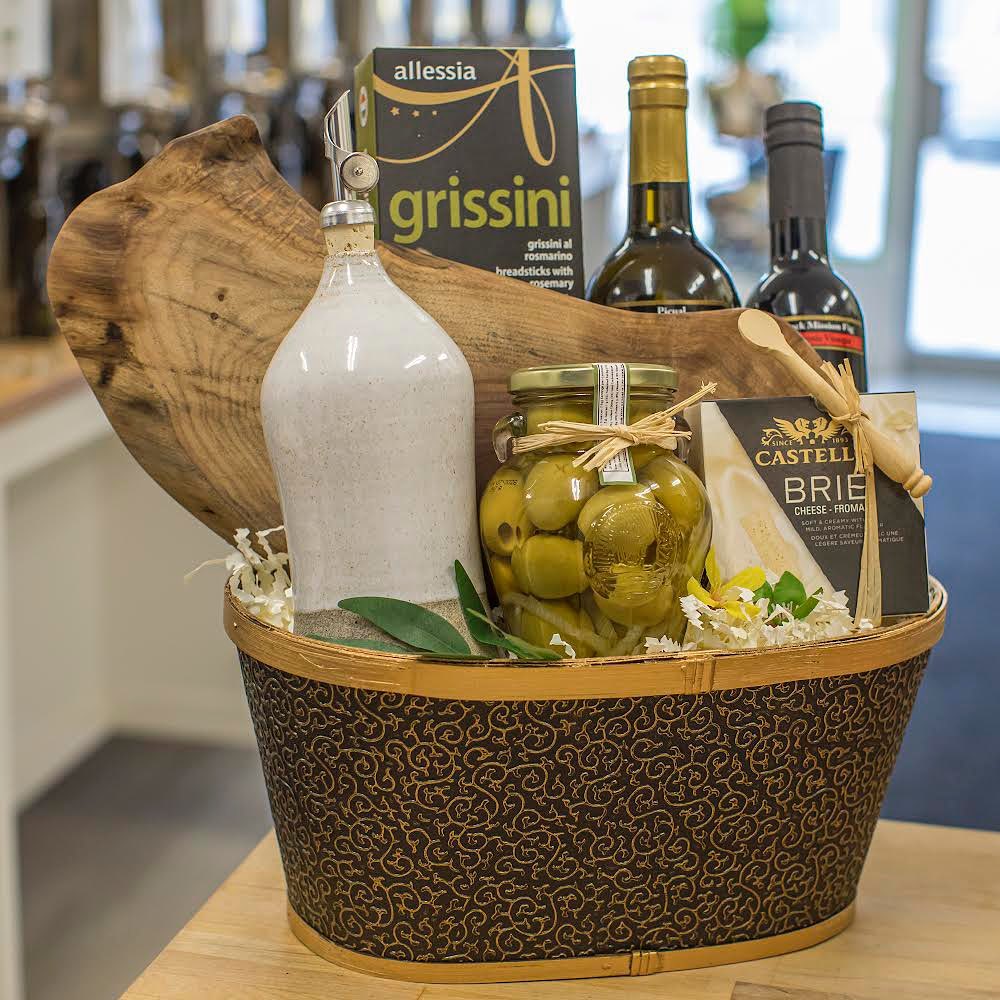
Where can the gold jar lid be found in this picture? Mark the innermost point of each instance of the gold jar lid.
(640, 376)
(657, 82)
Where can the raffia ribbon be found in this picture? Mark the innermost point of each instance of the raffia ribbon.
(854, 418)
(658, 429)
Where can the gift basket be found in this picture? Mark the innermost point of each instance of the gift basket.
(541, 706)
(449, 823)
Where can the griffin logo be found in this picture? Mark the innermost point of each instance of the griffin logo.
(802, 430)
(804, 441)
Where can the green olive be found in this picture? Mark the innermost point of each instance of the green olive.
(539, 632)
(503, 576)
(673, 625)
(643, 454)
(503, 523)
(678, 489)
(698, 546)
(549, 566)
(641, 408)
(555, 491)
(625, 612)
(610, 496)
(537, 414)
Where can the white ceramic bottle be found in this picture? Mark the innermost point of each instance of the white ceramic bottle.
(368, 409)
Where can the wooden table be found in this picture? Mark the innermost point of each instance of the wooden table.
(33, 372)
(928, 926)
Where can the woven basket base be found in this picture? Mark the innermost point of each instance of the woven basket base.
(633, 963)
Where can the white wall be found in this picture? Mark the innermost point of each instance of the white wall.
(172, 670)
(59, 691)
(98, 631)
(104, 635)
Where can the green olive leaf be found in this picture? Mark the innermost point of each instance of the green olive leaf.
(523, 650)
(410, 623)
(805, 609)
(469, 599)
(789, 590)
(808, 605)
(382, 647)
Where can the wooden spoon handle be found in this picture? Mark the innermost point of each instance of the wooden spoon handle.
(896, 464)
(889, 457)
(811, 381)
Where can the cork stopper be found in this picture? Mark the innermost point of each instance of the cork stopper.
(348, 227)
(348, 239)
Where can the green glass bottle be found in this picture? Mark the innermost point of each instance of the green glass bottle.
(660, 266)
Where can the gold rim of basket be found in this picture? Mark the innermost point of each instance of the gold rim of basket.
(630, 963)
(611, 677)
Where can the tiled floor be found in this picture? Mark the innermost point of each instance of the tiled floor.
(117, 857)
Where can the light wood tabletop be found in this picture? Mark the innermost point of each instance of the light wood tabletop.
(33, 372)
(928, 928)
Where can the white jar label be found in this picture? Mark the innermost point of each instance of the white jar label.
(611, 410)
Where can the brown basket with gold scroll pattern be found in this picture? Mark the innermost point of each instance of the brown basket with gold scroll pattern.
(441, 822)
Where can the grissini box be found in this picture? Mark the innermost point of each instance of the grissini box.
(478, 157)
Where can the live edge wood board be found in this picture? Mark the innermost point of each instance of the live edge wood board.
(175, 287)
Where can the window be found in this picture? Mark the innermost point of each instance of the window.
(956, 217)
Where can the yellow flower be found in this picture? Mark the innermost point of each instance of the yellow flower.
(726, 595)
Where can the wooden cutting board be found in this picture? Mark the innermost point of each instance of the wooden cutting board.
(175, 287)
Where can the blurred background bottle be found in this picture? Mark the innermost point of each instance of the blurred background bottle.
(660, 266)
(24, 120)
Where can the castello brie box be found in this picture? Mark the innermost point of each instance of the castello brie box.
(780, 477)
(478, 155)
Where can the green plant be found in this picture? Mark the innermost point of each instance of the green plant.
(788, 593)
(740, 26)
(419, 631)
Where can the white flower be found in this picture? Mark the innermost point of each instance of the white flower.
(665, 645)
(260, 582)
(558, 640)
(715, 628)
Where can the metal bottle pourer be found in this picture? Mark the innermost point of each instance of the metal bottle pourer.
(354, 173)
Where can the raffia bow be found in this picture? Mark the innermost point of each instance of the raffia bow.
(854, 418)
(658, 429)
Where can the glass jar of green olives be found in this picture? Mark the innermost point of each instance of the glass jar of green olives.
(603, 566)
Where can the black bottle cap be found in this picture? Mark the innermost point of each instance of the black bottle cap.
(793, 123)
(793, 135)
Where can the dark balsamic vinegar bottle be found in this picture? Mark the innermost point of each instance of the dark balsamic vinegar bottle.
(660, 266)
(801, 286)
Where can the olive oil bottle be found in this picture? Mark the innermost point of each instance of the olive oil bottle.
(367, 410)
(801, 286)
(660, 266)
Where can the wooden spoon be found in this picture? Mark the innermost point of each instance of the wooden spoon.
(761, 330)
